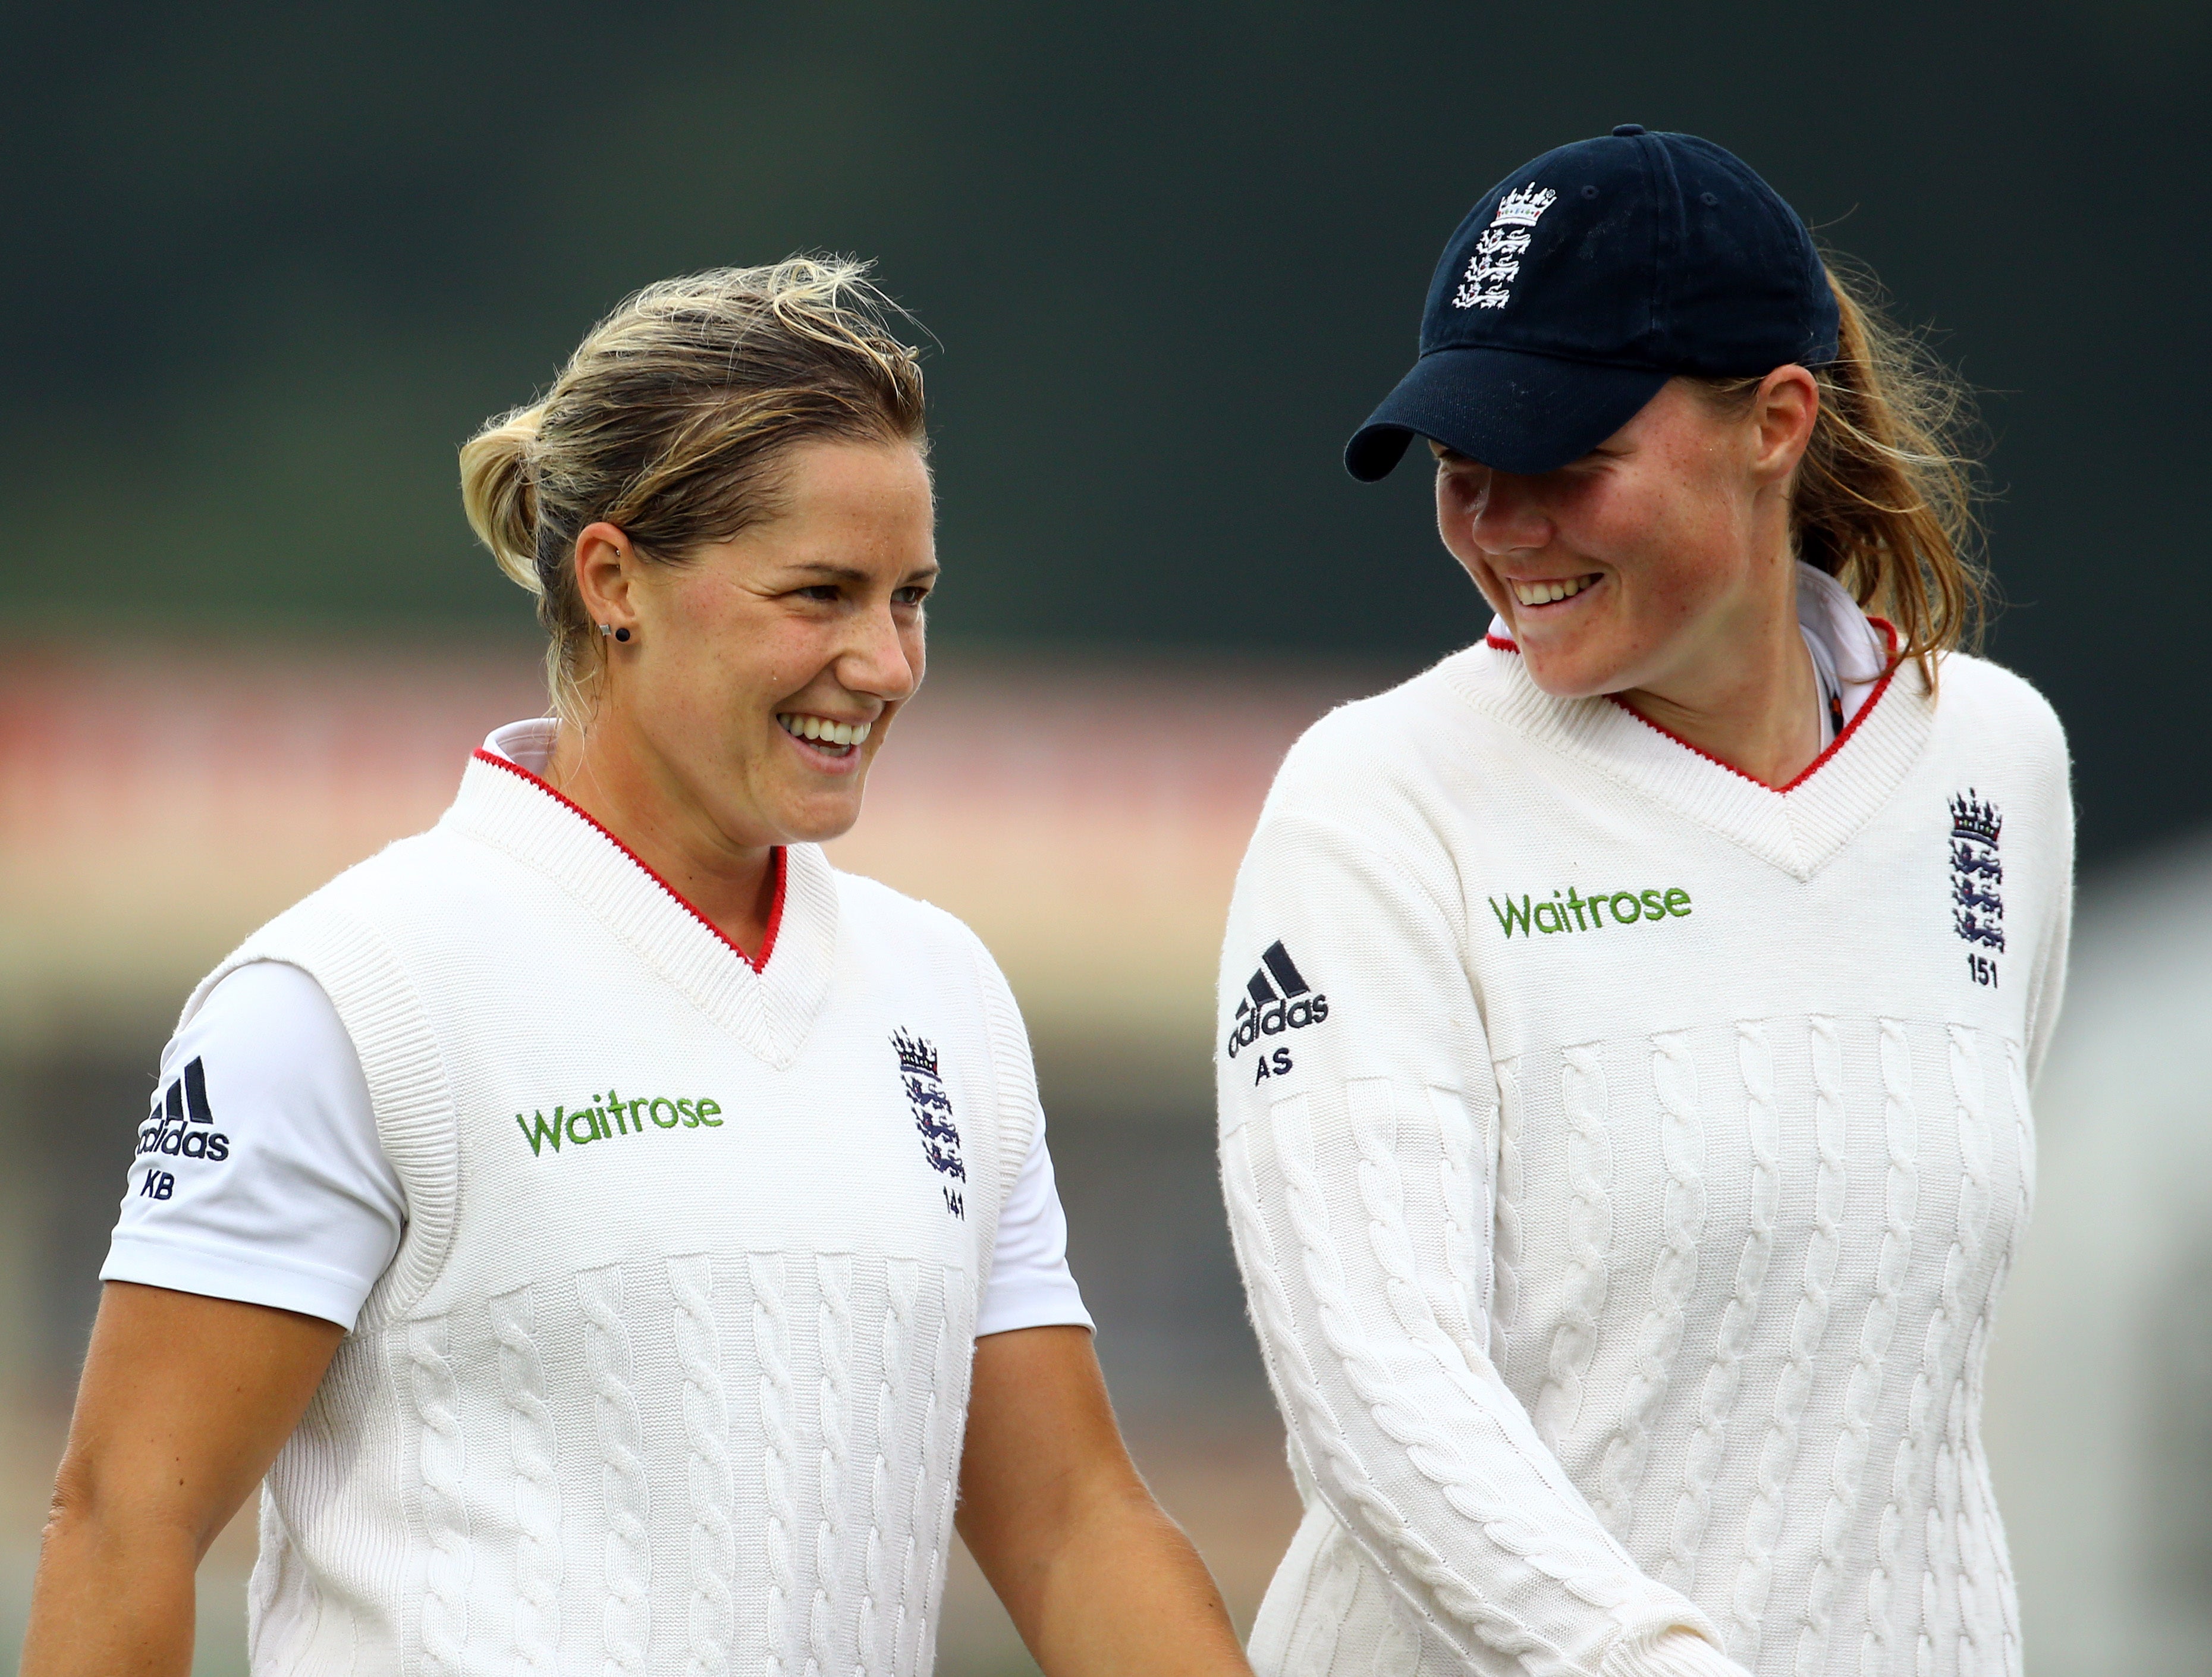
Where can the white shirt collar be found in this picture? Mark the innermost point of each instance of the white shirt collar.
(527, 745)
(1848, 652)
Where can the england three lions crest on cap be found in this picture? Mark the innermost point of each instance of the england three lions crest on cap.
(1488, 282)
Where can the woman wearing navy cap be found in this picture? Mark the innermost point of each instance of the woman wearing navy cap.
(1626, 1025)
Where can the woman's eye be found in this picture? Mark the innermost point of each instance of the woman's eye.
(825, 592)
(912, 596)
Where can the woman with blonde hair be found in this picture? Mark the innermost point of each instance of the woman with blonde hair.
(621, 1239)
(1626, 1026)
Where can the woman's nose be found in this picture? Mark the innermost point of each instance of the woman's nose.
(1510, 518)
(877, 662)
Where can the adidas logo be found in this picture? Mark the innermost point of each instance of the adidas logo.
(182, 1124)
(1277, 999)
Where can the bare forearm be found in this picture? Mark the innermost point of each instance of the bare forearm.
(111, 1603)
(185, 1402)
(1127, 1594)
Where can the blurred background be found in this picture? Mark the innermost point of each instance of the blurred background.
(264, 267)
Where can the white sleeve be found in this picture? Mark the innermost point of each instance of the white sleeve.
(1357, 1095)
(1031, 1284)
(258, 1175)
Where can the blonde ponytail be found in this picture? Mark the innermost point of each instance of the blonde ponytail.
(498, 496)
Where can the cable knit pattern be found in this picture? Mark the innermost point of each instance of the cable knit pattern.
(533, 1442)
(1682, 1148)
(1328, 1607)
(1941, 1347)
(833, 1275)
(1716, 1398)
(1964, 1260)
(916, 1559)
(1299, 1389)
(939, 1481)
(1862, 1393)
(1589, 1232)
(778, 1411)
(881, 1599)
(280, 1601)
(625, 1619)
(1777, 1458)
(1587, 1569)
(1382, 1198)
(1983, 1534)
(1460, 1294)
(1746, 1215)
(445, 1511)
(1505, 1255)
(710, 1615)
(1970, 1602)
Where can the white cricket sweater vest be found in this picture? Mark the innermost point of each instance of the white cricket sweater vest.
(670, 1371)
(1624, 1159)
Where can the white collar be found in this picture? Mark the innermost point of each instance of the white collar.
(526, 745)
(1848, 655)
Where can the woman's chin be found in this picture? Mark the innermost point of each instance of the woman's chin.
(1570, 673)
(817, 817)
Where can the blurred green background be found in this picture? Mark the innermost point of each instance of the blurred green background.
(265, 267)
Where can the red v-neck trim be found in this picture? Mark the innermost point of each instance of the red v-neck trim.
(1501, 643)
(782, 872)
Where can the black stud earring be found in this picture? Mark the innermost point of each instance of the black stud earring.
(621, 634)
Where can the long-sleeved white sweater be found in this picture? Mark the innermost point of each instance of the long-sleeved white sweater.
(1623, 1159)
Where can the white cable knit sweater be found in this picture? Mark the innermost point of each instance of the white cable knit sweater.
(670, 1371)
(1624, 1159)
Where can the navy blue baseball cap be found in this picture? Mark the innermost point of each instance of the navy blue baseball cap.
(1582, 282)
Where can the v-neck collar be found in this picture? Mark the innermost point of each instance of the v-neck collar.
(1798, 828)
(769, 1007)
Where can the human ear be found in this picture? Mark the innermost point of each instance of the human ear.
(606, 565)
(1788, 403)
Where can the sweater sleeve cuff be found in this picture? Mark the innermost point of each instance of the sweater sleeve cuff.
(1674, 1652)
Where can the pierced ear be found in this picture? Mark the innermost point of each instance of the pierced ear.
(604, 560)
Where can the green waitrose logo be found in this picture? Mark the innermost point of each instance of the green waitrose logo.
(610, 1115)
(1575, 912)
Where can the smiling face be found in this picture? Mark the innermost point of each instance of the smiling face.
(1658, 564)
(762, 673)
